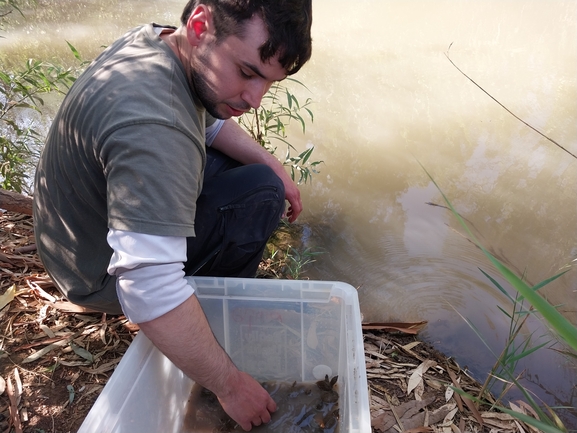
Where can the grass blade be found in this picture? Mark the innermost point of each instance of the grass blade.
(548, 280)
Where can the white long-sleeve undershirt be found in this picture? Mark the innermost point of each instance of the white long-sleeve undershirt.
(212, 131)
(149, 273)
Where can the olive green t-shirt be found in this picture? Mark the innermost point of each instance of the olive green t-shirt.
(125, 151)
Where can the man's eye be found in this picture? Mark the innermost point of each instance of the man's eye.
(244, 75)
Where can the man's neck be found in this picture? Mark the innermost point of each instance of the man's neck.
(171, 38)
(178, 42)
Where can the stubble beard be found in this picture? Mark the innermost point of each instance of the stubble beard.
(205, 94)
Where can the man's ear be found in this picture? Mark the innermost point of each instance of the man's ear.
(199, 24)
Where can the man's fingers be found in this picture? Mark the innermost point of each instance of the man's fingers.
(246, 427)
(265, 417)
(251, 405)
(271, 407)
(292, 213)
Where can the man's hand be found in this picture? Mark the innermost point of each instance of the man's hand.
(293, 195)
(185, 337)
(248, 403)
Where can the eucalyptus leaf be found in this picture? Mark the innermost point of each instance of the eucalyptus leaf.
(70, 389)
(80, 351)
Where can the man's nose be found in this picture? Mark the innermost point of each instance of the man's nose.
(254, 92)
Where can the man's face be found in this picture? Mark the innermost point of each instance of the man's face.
(229, 77)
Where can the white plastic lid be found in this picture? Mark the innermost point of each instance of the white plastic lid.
(321, 370)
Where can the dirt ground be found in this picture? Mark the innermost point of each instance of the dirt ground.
(55, 358)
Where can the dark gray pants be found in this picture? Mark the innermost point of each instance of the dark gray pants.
(237, 210)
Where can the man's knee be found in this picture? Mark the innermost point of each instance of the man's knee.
(266, 176)
(267, 191)
(245, 222)
(261, 196)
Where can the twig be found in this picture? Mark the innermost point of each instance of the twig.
(26, 249)
(470, 404)
(506, 109)
(13, 397)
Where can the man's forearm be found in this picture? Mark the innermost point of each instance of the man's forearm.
(235, 142)
(185, 337)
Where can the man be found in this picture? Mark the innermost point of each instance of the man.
(124, 204)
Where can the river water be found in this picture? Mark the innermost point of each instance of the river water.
(386, 100)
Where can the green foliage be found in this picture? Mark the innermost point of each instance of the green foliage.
(513, 352)
(268, 126)
(296, 261)
(21, 89)
(504, 368)
(285, 255)
(289, 262)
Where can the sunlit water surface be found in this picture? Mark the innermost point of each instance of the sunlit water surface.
(387, 98)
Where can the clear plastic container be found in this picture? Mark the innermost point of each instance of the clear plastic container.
(273, 329)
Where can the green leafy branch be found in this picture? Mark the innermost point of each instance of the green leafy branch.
(268, 126)
(22, 89)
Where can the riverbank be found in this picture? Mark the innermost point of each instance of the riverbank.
(55, 358)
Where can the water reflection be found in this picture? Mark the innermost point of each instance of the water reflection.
(386, 96)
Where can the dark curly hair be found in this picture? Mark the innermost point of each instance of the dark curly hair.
(288, 23)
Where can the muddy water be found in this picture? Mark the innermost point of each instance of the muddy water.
(386, 98)
(301, 408)
(380, 68)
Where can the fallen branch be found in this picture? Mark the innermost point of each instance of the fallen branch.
(14, 202)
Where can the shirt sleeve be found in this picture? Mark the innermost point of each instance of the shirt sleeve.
(137, 196)
(149, 273)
